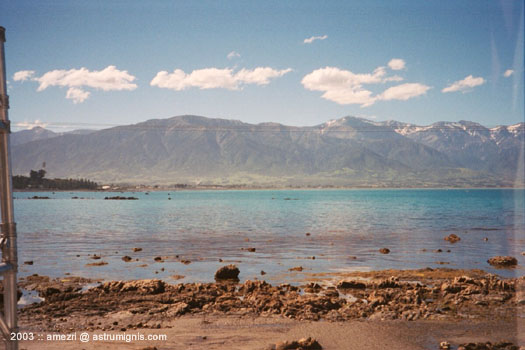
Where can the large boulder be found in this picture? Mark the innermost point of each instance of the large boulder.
(228, 272)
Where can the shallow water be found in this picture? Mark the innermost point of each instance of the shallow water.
(205, 226)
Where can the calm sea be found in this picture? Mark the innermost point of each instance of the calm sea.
(346, 229)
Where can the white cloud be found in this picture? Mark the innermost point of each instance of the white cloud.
(313, 38)
(345, 87)
(393, 78)
(260, 75)
(77, 95)
(233, 55)
(508, 73)
(30, 125)
(23, 75)
(464, 85)
(108, 79)
(396, 64)
(404, 92)
(216, 78)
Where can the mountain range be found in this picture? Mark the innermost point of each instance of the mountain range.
(350, 151)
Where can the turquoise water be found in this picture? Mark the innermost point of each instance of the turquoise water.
(205, 226)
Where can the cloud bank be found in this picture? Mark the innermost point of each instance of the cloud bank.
(108, 79)
(346, 87)
(30, 125)
(313, 38)
(464, 85)
(216, 78)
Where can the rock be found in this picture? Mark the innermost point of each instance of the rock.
(126, 258)
(228, 272)
(452, 238)
(263, 273)
(302, 344)
(251, 250)
(185, 262)
(29, 262)
(120, 198)
(137, 250)
(351, 285)
(296, 268)
(445, 345)
(392, 282)
(464, 279)
(503, 261)
(451, 288)
(99, 263)
(375, 299)
(178, 309)
(157, 258)
(95, 257)
(488, 346)
(384, 250)
(50, 291)
(308, 233)
(178, 277)
(142, 286)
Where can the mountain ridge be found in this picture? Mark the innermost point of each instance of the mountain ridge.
(348, 151)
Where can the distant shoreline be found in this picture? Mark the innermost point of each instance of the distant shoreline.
(246, 188)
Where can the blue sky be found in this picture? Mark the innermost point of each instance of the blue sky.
(96, 63)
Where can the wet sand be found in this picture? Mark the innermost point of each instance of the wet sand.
(234, 333)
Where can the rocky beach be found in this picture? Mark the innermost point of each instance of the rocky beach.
(424, 307)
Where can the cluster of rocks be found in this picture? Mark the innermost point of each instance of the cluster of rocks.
(120, 198)
(481, 346)
(301, 344)
(383, 298)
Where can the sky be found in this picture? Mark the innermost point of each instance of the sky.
(93, 64)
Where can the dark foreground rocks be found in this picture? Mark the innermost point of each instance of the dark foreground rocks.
(488, 346)
(301, 344)
(149, 303)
